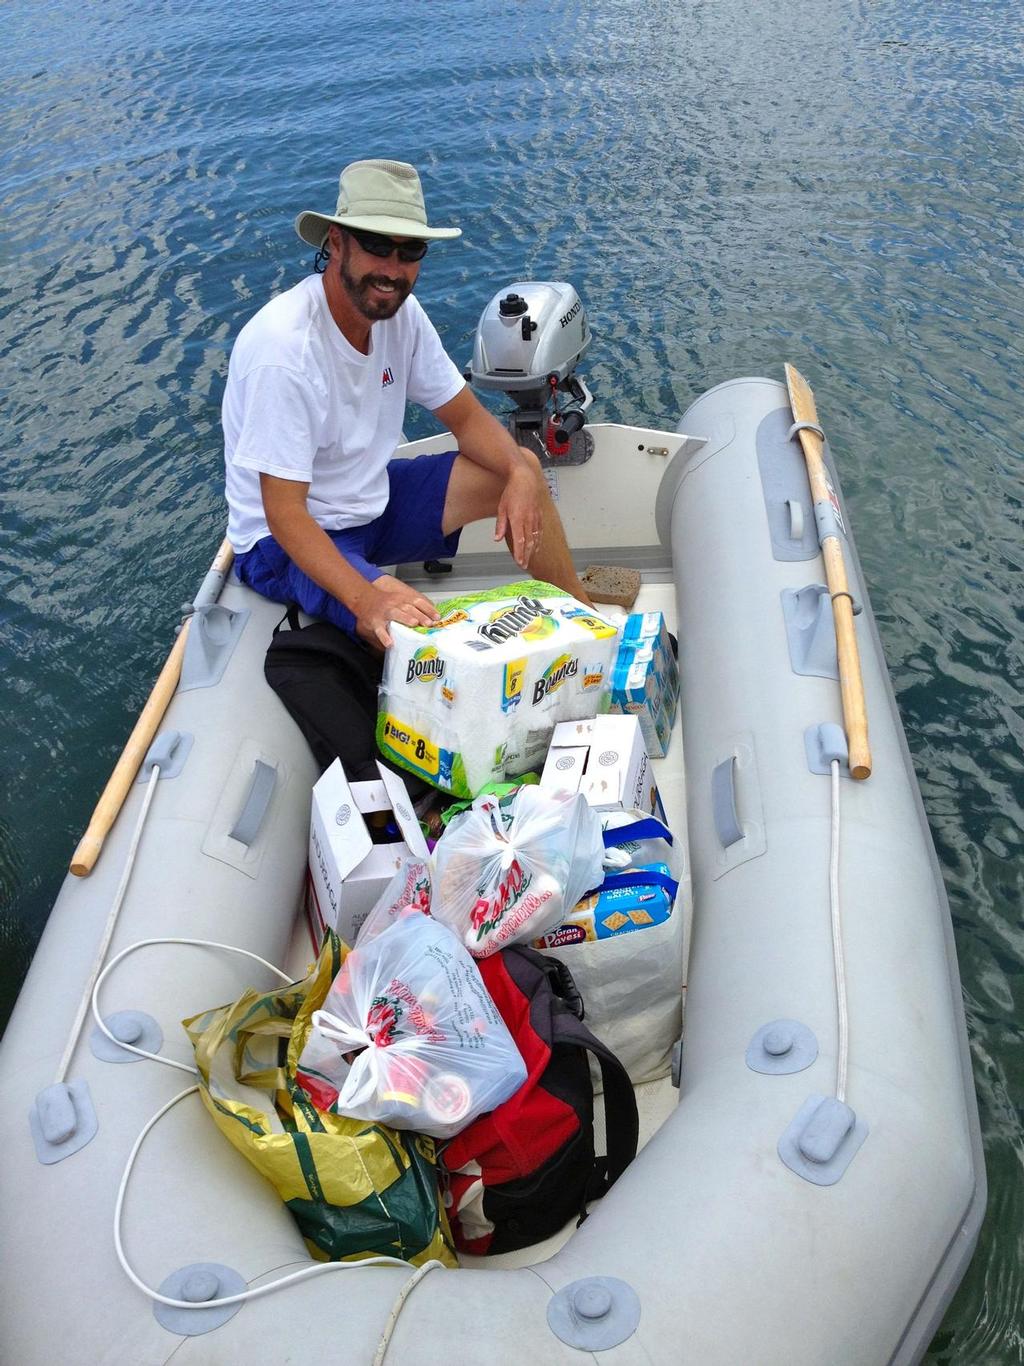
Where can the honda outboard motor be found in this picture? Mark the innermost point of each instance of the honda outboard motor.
(528, 342)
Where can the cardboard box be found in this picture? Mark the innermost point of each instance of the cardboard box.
(613, 912)
(347, 870)
(605, 759)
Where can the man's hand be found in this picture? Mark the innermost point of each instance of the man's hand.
(519, 514)
(387, 599)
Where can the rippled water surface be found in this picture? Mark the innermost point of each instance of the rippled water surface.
(728, 185)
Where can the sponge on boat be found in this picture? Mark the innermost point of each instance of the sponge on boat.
(609, 583)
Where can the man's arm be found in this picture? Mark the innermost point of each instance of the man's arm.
(306, 543)
(487, 443)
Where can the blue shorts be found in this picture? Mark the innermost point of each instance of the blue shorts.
(408, 529)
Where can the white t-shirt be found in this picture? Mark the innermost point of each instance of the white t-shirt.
(302, 403)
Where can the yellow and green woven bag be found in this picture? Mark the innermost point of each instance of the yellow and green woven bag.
(355, 1189)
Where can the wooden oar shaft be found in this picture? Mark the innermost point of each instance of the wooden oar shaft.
(851, 682)
(121, 779)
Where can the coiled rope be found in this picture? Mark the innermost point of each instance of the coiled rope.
(90, 998)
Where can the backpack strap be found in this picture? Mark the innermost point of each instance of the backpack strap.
(291, 616)
(621, 1121)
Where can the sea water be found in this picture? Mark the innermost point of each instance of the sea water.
(728, 185)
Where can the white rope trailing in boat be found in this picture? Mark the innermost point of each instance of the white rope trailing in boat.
(145, 943)
(842, 1014)
(315, 1268)
(108, 931)
(398, 1306)
(255, 1292)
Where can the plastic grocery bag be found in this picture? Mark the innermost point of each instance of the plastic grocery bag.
(628, 960)
(508, 869)
(354, 1189)
(408, 1034)
(409, 889)
(626, 947)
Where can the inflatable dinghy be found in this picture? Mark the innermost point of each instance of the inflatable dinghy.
(809, 1191)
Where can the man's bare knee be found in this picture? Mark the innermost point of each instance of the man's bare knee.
(473, 495)
(532, 460)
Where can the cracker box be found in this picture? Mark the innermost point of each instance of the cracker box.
(347, 870)
(613, 912)
(604, 758)
(474, 699)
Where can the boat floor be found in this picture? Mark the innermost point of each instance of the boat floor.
(656, 1099)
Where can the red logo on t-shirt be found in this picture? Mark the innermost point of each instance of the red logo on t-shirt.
(388, 377)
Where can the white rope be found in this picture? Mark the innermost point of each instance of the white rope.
(255, 1292)
(398, 1306)
(115, 910)
(143, 943)
(842, 1014)
(90, 997)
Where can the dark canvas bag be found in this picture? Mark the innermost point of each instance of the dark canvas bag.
(519, 1173)
(328, 682)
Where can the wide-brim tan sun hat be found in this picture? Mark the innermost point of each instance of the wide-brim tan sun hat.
(377, 196)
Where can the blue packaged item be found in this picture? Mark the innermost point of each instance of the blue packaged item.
(645, 684)
(614, 911)
(650, 629)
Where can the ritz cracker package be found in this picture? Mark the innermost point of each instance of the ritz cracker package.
(473, 700)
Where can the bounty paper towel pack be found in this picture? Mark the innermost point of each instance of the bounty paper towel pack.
(474, 699)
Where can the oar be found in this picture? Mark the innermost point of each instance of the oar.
(139, 741)
(826, 511)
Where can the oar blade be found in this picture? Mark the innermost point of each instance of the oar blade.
(801, 399)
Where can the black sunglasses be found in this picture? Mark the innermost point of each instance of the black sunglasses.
(378, 245)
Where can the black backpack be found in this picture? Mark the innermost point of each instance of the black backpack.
(519, 1173)
(329, 682)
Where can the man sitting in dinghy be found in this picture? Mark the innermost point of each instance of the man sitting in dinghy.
(313, 411)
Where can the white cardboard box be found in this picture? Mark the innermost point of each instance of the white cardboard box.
(604, 759)
(347, 871)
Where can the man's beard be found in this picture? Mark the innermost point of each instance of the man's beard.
(374, 309)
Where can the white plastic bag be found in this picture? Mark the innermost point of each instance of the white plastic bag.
(632, 985)
(409, 888)
(632, 980)
(408, 1034)
(509, 869)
